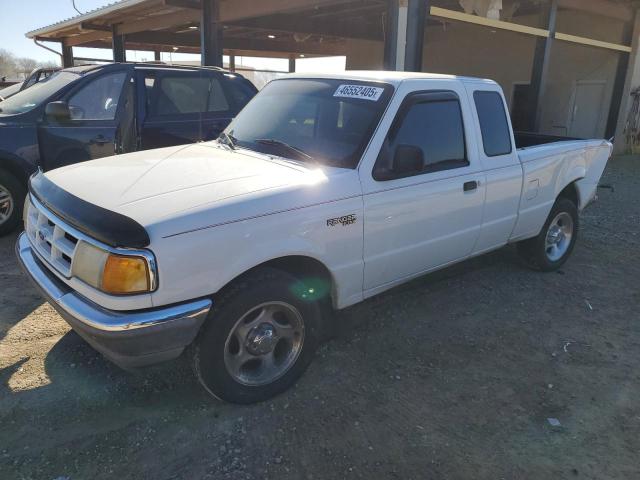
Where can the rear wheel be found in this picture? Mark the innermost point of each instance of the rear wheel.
(555, 242)
(12, 195)
(260, 337)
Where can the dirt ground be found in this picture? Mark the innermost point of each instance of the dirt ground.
(450, 376)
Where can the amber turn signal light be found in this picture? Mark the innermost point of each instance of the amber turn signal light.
(125, 275)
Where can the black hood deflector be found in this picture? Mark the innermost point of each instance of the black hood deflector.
(108, 227)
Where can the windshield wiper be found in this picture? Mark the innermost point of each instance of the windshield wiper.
(227, 139)
(280, 143)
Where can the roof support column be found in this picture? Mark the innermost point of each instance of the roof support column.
(211, 34)
(391, 35)
(67, 56)
(119, 54)
(540, 68)
(632, 80)
(292, 63)
(620, 79)
(416, 19)
(404, 34)
(156, 56)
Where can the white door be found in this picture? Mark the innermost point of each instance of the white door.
(586, 112)
(418, 220)
(502, 166)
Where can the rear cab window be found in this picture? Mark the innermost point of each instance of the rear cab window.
(494, 125)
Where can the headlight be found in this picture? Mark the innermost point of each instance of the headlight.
(112, 273)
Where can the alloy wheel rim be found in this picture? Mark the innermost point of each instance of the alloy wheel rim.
(6, 204)
(559, 236)
(264, 343)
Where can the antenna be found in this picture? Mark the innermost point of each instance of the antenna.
(73, 2)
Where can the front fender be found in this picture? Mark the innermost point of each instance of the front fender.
(202, 262)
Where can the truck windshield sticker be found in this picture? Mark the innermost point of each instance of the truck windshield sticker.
(359, 91)
(344, 220)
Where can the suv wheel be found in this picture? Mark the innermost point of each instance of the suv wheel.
(12, 195)
(259, 338)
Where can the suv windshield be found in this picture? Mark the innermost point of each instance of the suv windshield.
(324, 120)
(33, 96)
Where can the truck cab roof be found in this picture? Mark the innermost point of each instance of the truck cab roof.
(391, 77)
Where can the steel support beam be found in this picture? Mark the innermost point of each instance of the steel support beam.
(404, 34)
(193, 4)
(540, 68)
(156, 56)
(211, 34)
(232, 62)
(292, 63)
(416, 19)
(390, 35)
(618, 83)
(356, 28)
(631, 82)
(155, 40)
(117, 42)
(94, 26)
(67, 56)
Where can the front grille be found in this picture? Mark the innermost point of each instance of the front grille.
(54, 244)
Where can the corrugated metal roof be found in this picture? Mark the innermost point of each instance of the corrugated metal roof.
(111, 7)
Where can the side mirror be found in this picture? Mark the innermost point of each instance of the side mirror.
(407, 159)
(58, 110)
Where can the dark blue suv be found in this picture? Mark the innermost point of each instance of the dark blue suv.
(94, 111)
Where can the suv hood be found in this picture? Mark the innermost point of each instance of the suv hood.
(181, 189)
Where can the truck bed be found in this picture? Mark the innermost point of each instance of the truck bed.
(530, 139)
(546, 166)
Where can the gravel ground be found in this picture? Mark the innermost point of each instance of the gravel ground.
(454, 375)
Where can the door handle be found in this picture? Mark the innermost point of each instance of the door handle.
(469, 186)
(99, 140)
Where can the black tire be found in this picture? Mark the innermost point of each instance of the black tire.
(17, 193)
(534, 250)
(248, 293)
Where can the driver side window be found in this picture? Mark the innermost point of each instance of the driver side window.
(98, 100)
(427, 136)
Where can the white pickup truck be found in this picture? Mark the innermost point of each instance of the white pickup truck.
(324, 191)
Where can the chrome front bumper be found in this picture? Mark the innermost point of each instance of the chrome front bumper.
(130, 339)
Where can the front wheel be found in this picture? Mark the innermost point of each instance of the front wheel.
(555, 242)
(259, 338)
(12, 195)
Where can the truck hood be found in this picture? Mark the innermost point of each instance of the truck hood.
(181, 189)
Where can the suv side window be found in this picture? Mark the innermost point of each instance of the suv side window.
(179, 93)
(432, 123)
(240, 91)
(98, 99)
(493, 123)
(176, 94)
(217, 99)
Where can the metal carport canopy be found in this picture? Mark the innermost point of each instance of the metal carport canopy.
(317, 27)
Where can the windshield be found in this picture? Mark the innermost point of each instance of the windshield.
(33, 96)
(322, 120)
